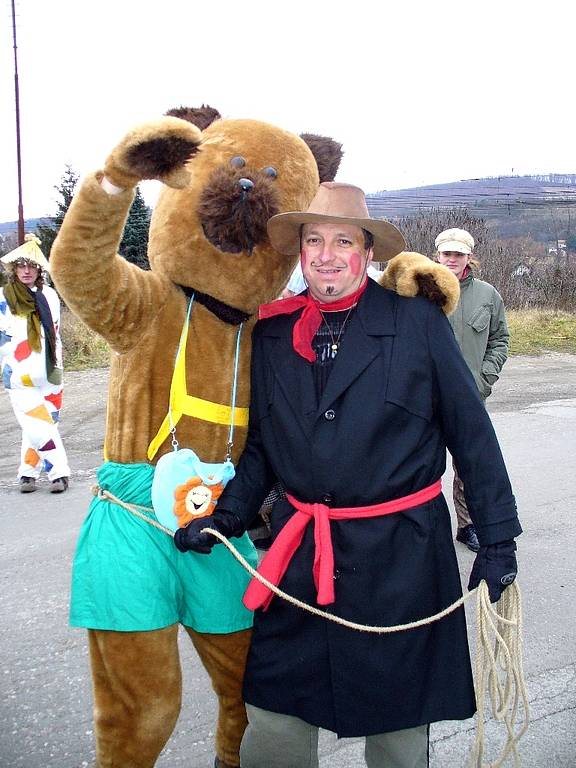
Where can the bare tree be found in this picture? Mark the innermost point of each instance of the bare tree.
(518, 268)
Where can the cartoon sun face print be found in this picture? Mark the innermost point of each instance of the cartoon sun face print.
(198, 500)
(195, 499)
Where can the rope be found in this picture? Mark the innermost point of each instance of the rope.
(135, 509)
(499, 670)
(498, 666)
(330, 616)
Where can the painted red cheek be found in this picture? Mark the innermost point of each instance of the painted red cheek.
(355, 264)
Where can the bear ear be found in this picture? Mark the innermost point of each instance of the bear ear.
(202, 116)
(327, 152)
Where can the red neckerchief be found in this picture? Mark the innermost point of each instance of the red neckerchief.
(465, 274)
(309, 321)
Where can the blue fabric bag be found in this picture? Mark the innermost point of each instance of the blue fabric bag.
(184, 487)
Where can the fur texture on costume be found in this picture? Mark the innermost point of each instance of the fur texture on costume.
(410, 274)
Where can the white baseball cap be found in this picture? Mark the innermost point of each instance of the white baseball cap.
(455, 240)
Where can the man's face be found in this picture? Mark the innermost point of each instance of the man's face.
(334, 259)
(455, 261)
(27, 272)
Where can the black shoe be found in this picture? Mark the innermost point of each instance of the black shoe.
(59, 485)
(27, 484)
(467, 536)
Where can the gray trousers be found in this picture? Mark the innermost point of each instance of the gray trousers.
(462, 515)
(282, 741)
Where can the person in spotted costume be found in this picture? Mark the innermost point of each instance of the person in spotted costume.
(31, 362)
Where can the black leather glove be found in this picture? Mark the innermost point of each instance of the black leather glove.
(190, 538)
(496, 564)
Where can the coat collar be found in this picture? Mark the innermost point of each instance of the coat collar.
(375, 316)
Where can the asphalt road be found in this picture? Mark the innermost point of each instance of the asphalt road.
(45, 699)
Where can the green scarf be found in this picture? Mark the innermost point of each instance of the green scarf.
(34, 306)
(21, 302)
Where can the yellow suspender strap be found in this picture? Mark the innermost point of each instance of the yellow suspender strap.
(181, 403)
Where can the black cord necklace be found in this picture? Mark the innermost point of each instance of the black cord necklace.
(334, 347)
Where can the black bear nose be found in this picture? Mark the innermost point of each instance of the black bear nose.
(246, 184)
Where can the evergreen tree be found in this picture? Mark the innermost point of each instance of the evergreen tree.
(134, 245)
(47, 233)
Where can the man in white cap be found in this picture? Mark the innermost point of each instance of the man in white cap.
(31, 363)
(480, 327)
(356, 392)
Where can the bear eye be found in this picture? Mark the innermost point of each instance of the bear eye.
(271, 172)
(238, 162)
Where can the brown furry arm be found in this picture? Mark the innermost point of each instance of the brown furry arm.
(113, 297)
(412, 274)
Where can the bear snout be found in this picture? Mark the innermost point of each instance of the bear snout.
(235, 206)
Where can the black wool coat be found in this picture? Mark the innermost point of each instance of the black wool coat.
(399, 394)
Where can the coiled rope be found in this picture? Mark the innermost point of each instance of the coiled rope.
(498, 666)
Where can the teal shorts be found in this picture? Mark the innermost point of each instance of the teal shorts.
(128, 575)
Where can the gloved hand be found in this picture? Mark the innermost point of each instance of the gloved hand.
(190, 538)
(496, 564)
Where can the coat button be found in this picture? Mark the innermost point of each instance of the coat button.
(328, 499)
(329, 415)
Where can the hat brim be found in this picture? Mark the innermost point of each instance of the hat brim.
(284, 233)
(26, 253)
(454, 245)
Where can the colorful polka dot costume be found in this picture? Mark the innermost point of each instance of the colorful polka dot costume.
(35, 401)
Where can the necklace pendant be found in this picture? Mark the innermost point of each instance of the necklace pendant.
(334, 347)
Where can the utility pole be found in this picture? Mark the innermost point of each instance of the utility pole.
(18, 158)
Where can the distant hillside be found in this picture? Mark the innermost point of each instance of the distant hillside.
(29, 225)
(541, 207)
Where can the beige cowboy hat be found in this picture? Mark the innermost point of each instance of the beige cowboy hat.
(336, 202)
(29, 251)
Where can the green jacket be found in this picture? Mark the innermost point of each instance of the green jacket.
(480, 327)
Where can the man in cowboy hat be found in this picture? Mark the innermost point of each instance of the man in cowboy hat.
(31, 362)
(356, 394)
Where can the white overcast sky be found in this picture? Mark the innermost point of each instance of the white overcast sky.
(417, 92)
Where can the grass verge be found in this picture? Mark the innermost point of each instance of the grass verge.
(536, 331)
(532, 332)
(82, 347)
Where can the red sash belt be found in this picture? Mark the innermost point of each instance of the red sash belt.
(278, 557)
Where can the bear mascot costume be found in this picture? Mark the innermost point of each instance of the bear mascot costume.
(178, 403)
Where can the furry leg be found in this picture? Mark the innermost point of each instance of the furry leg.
(224, 657)
(137, 694)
